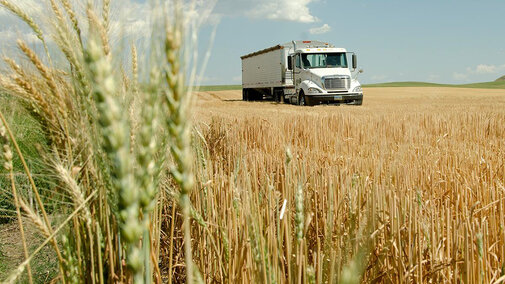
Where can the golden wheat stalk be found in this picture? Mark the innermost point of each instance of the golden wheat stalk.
(74, 190)
(106, 14)
(6, 153)
(73, 18)
(34, 188)
(115, 142)
(178, 123)
(36, 220)
(102, 30)
(14, 275)
(47, 75)
(29, 21)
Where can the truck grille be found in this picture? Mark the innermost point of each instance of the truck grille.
(337, 83)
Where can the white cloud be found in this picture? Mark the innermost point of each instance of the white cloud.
(486, 69)
(30, 7)
(320, 30)
(11, 22)
(12, 28)
(282, 10)
(460, 76)
(481, 71)
(433, 77)
(205, 79)
(380, 77)
(131, 20)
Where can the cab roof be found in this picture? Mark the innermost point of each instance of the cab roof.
(304, 46)
(321, 50)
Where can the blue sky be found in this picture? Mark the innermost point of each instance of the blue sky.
(444, 41)
(437, 41)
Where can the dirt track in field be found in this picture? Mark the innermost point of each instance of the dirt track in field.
(229, 104)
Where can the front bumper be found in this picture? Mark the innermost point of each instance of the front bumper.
(336, 98)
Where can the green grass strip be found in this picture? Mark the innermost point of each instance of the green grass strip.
(483, 85)
(218, 88)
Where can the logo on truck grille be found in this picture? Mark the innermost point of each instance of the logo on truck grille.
(337, 83)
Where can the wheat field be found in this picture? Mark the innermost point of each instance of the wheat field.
(407, 188)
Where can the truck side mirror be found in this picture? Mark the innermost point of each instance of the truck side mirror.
(354, 61)
(290, 62)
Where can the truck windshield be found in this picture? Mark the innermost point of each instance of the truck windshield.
(324, 60)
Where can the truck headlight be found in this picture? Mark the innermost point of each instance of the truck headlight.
(314, 90)
(358, 89)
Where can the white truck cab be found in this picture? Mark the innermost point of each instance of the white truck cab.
(302, 72)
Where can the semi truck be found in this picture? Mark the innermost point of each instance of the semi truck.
(303, 73)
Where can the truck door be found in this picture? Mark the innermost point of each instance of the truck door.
(289, 72)
(297, 79)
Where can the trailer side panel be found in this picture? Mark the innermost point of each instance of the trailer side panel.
(263, 70)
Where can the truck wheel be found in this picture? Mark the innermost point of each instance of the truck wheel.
(301, 99)
(259, 96)
(279, 96)
(357, 102)
(244, 95)
(253, 95)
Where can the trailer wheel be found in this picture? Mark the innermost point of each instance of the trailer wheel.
(244, 95)
(252, 95)
(279, 96)
(259, 96)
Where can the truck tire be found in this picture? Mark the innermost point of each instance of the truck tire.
(301, 99)
(252, 95)
(279, 96)
(357, 102)
(258, 95)
(244, 95)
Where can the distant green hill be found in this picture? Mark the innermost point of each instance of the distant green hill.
(218, 88)
(406, 84)
(498, 84)
(484, 85)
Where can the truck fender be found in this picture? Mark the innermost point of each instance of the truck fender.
(305, 85)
